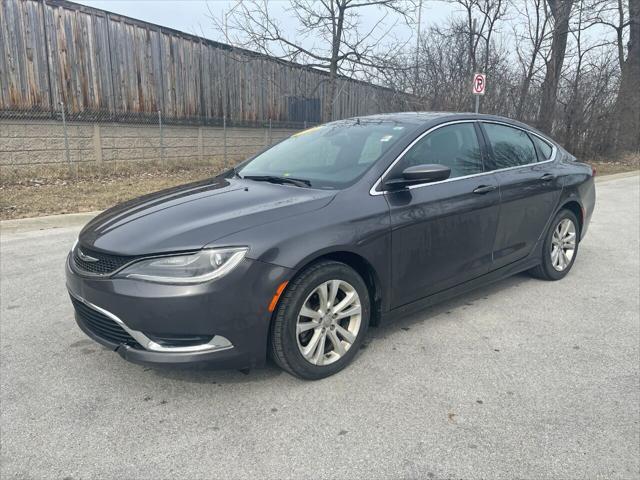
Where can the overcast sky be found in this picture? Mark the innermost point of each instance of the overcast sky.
(191, 16)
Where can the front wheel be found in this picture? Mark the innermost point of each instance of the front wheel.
(560, 247)
(321, 321)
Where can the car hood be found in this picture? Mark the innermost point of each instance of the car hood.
(191, 216)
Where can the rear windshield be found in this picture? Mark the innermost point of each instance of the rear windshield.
(334, 155)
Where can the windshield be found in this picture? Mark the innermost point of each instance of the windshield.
(334, 155)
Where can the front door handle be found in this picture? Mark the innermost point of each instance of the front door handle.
(482, 189)
(547, 177)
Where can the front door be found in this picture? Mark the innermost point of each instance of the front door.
(442, 232)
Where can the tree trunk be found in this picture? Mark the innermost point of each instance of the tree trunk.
(524, 90)
(333, 67)
(628, 101)
(330, 97)
(561, 10)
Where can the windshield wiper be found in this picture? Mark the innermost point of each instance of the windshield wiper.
(299, 182)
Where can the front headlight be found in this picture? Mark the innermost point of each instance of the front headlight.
(198, 267)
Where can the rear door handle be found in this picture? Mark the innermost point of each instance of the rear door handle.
(547, 177)
(482, 189)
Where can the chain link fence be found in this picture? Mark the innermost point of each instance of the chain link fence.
(54, 143)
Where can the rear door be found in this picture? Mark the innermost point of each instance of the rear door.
(529, 189)
(442, 232)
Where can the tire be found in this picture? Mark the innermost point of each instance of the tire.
(287, 347)
(546, 270)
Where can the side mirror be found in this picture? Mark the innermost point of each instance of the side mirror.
(417, 174)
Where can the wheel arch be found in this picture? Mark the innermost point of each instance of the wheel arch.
(362, 266)
(576, 208)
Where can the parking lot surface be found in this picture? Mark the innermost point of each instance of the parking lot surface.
(522, 379)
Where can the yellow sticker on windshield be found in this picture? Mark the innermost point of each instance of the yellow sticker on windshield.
(308, 130)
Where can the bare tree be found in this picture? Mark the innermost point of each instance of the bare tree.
(330, 36)
(580, 66)
(481, 17)
(571, 69)
(622, 17)
(531, 46)
(611, 13)
(628, 101)
(561, 12)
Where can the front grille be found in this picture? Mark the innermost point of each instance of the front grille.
(102, 326)
(104, 265)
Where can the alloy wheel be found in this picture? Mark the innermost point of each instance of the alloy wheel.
(328, 322)
(563, 244)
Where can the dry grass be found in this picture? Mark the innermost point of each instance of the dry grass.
(626, 163)
(37, 193)
(36, 197)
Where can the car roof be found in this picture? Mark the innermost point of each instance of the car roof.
(429, 118)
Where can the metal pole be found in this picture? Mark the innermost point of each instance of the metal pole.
(66, 138)
(224, 135)
(270, 133)
(161, 138)
(477, 103)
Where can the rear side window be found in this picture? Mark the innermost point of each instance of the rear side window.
(512, 147)
(544, 149)
(455, 146)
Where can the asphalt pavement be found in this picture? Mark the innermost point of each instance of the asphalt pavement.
(522, 379)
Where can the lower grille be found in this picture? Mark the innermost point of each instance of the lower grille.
(102, 326)
(180, 340)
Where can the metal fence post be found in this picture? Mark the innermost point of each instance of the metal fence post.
(161, 137)
(224, 140)
(66, 139)
(200, 146)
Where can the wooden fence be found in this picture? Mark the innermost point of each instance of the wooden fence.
(94, 63)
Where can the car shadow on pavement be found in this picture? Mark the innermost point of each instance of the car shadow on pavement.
(405, 322)
(205, 374)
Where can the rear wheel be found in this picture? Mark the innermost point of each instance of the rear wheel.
(560, 247)
(321, 321)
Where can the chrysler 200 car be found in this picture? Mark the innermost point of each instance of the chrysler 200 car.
(295, 252)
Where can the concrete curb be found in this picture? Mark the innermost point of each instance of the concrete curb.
(43, 223)
(79, 219)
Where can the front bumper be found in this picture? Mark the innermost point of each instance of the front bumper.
(230, 313)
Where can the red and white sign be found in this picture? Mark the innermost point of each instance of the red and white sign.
(479, 83)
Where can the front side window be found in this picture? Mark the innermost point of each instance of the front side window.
(455, 146)
(330, 156)
(511, 147)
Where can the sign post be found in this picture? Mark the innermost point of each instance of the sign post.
(479, 85)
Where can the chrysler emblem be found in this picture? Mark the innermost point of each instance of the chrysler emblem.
(86, 258)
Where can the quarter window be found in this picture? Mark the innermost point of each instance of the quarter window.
(512, 147)
(455, 146)
(544, 149)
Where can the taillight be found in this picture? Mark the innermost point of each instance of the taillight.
(593, 171)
